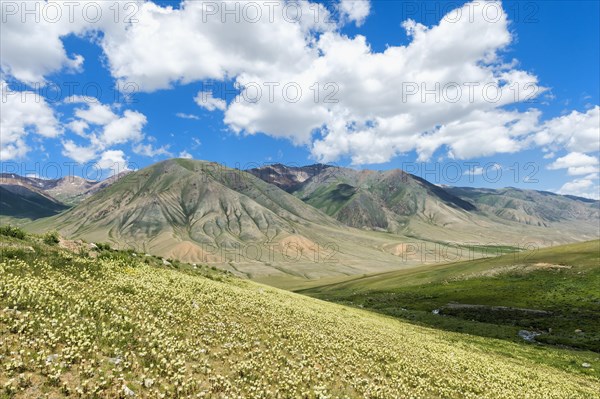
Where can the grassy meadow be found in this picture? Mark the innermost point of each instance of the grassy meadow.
(553, 292)
(99, 323)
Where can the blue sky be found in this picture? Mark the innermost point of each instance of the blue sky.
(550, 143)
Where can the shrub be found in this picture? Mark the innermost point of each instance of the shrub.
(12, 231)
(103, 246)
(51, 238)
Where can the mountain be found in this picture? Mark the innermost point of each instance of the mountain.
(22, 202)
(401, 203)
(203, 212)
(541, 208)
(377, 200)
(288, 178)
(68, 190)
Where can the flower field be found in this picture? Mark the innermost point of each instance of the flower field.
(118, 327)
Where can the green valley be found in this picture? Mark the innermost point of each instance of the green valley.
(553, 292)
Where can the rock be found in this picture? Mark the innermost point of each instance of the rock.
(148, 382)
(528, 336)
(115, 360)
(578, 331)
(586, 365)
(127, 391)
(50, 359)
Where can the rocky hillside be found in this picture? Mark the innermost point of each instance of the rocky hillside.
(401, 203)
(203, 212)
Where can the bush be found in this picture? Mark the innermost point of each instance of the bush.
(103, 246)
(11, 231)
(51, 238)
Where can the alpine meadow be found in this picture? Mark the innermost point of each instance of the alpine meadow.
(299, 199)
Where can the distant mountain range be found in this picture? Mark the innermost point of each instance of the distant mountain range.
(304, 222)
(69, 190)
(398, 202)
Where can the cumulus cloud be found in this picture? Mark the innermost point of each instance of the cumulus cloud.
(577, 163)
(34, 49)
(113, 161)
(446, 90)
(355, 10)
(80, 154)
(104, 128)
(124, 129)
(96, 113)
(576, 131)
(204, 42)
(185, 154)
(150, 151)
(23, 112)
(479, 170)
(206, 100)
(583, 187)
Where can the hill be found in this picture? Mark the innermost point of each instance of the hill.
(286, 177)
(22, 202)
(202, 212)
(553, 292)
(401, 203)
(69, 190)
(116, 324)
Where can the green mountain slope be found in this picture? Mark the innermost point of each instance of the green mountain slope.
(554, 292)
(115, 326)
(398, 202)
(540, 208)
(202, 212)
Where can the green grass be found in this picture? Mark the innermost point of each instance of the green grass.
(569, 291)
(83, 326)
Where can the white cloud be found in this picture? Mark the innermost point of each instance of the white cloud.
(577, 164)
(23, 112)
(206, 43)
(114, 161)
(355, 10)
(126, 128)
(479, 170)
(79, 154)
(104, 129)
(376, 116)
(576, 131)
(79, 127)
(185, 154)
(583, 187)
(206, 100)
(34, 49)
(186, 116)
(96, 113)
(150, 151)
